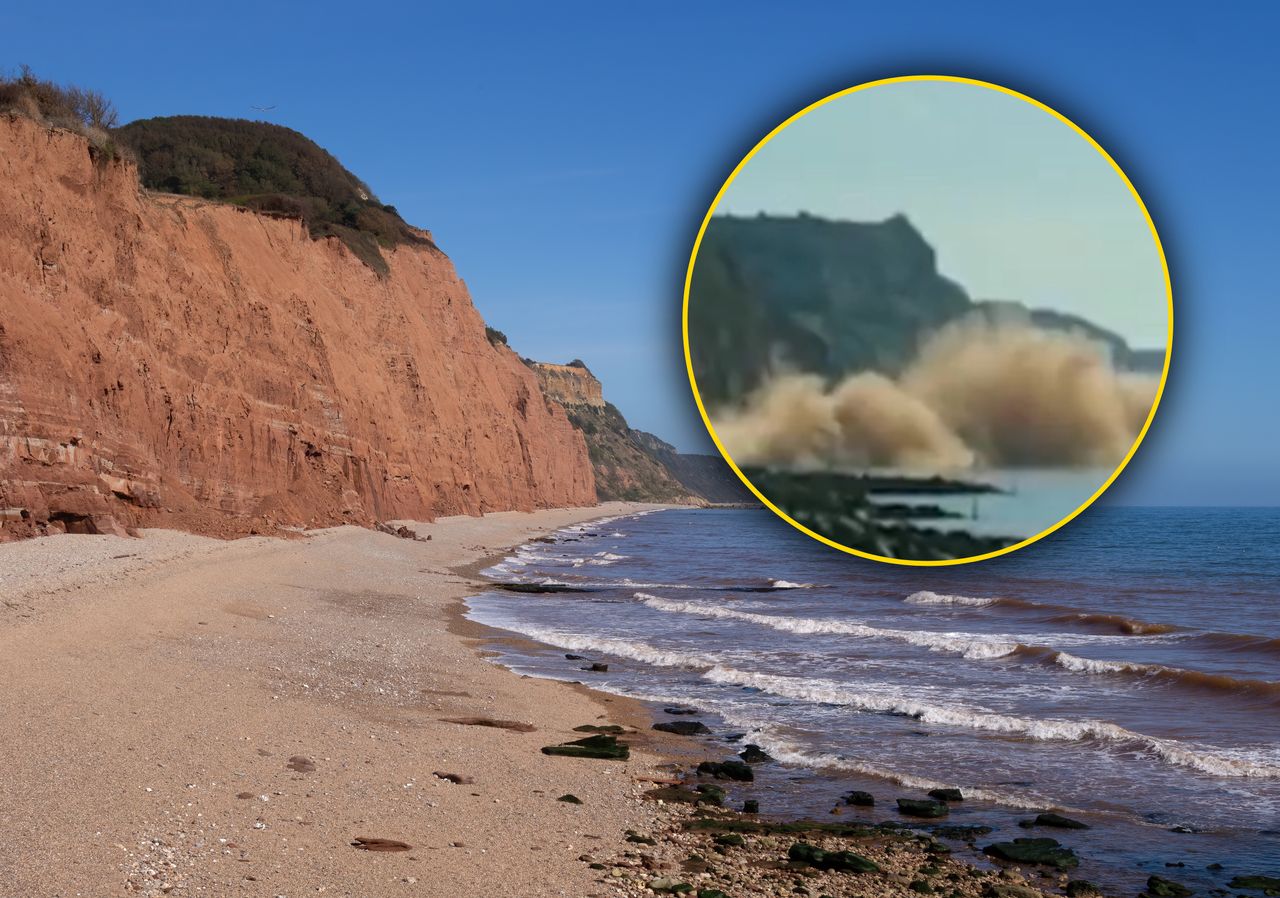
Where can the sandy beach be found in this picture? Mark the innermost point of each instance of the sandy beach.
(188, 716)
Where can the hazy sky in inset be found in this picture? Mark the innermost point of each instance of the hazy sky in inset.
(1015, 202)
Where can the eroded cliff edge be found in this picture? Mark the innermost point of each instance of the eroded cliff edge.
(167, 361)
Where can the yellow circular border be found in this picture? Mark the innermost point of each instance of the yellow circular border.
(903, 79)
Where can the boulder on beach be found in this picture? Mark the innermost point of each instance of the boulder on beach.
(922, 807)
(860, 799)
(683, 727)
(1046, 852)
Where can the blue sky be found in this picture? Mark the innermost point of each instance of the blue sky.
(564, 154)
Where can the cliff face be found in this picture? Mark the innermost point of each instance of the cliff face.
(828, 297)
(174, 362)
(624, 468)
(570, 384)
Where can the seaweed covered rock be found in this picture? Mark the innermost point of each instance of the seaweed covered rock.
(599, 746)
(839, 861)
(1159, 887)
(1267, 885)
(922, 807)
(1046, 852)
(727, 770)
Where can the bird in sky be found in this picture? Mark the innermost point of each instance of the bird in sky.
(264, 108)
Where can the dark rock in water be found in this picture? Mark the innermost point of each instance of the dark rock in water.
(1159, 887)
(727, 770)
(603, 747)
(1268, 885)
(751, 806)
(1081, 888)
(860, 799)
(1034, 851)
(605, 728)
(575, 658)
(922, 807)
(839, 861)
(1057, 821)
(735, 737)
(678, 711)
(539, 587)
(754, 754)
(570, 798)
(1181, 828)
(1174, 864)
(946, 794)
(366, 843)
(683, 727)
(1215, 866)
(596, 667)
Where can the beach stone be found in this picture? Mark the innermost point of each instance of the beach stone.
(1046, 852)
(1268, 885)
(727, 770)
(301, 764)
(714, 794)
(1080, 888)
(600, 747)
(596, 667)
(754, 754)
(1159, 887)
(730, 840)
(922, 807)
(946, 794)
(456, 778)
(751, 806)
(570, 798)
(860, 799)
(680, 710)
(606, 728)
(683, 727)
(1006, 890)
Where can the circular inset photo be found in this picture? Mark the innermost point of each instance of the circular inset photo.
(928, 320)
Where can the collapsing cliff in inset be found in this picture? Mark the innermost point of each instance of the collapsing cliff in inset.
(979, 393)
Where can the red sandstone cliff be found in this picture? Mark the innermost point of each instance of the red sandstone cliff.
(168, 361)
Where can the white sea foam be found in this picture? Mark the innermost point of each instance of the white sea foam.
(925, 597)
(1261, 764)
(973, 646)
(787, 584)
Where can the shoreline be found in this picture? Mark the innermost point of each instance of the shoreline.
(189, 717)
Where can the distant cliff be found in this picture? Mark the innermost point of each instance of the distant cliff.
(829, 297)
(172, 361)
(631, 464)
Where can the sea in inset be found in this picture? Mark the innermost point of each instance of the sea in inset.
(1127, 672)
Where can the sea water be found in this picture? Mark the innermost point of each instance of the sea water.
(1125, 670)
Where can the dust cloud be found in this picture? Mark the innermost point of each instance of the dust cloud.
(979, 393)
